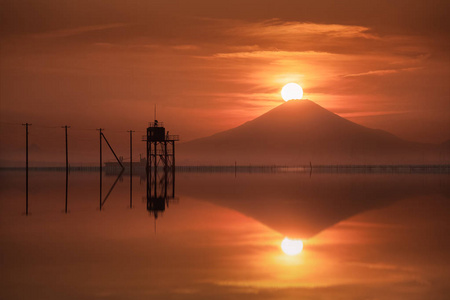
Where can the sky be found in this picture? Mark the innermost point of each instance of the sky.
(212, 65)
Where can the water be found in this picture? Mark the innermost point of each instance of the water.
(373, 236)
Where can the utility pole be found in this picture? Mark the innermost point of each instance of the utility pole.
(131, 167)
(67, 165)
(26, 180)
(100, 130)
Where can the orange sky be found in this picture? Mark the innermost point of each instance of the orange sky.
(212, 65)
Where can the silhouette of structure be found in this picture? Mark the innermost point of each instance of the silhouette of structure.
(160, 191)
(101, 167)
(160, 147)
(160, 168)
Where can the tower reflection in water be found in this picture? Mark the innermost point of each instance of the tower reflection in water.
(160, 190)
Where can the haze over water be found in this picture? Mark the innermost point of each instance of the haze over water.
(382, 236)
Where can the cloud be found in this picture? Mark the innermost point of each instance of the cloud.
(272, 54)
(276, 29)
(373, 113)
(383, 72)
(61, 33)
(382, 266)
(186, 47)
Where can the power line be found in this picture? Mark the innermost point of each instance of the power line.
(10, 123)
(72, 127)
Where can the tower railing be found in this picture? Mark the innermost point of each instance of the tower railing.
(169, 137)
(155, 124)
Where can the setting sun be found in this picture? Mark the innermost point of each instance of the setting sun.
(291, 91)
(291, 247)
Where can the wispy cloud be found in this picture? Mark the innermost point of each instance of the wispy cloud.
(382, 72)
(278, 29)
(76, 31)
(381, 266)
(373, 113)
(273, 54)
(186, 47)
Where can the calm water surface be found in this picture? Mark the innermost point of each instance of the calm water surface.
(379, 236)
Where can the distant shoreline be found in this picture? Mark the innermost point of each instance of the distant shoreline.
(347, 168)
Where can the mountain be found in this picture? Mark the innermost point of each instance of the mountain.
(298, 132)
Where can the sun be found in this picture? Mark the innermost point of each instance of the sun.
(291, 91)
(291, 247)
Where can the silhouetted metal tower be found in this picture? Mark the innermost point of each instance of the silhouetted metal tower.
(160, 148)
(160, 167)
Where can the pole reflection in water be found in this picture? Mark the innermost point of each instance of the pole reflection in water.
(102, 202)
(67, 190)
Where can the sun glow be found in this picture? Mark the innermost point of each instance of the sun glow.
(291, 91)
(291, 247)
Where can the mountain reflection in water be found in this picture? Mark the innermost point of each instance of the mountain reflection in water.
(382, 236)
(301, 207)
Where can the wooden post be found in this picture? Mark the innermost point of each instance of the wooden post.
(101, 163)
(131, 168)
(26, 166)
(67, 166)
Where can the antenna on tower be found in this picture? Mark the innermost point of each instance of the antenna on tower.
(155, 112)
